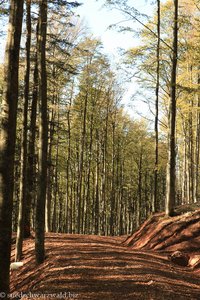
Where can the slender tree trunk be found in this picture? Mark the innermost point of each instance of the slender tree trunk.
(155, 204)
(139, 199)
(31, 165)
(197, 147)
(171, 166)
(69, 183)
(50, 169)
(80, 184)
(121, 199)
(8, 138)
(118, 184)
(88, 202)
(96, 208)
(49, 191)
(23, 180)
(43, 138)
(56, 188)
(105, 171)
(191, 144)
(184, 171)
(112, 197)
(68, 202)
(146, 192)
(191, 157)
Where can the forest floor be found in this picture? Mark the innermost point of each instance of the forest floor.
(95, 267)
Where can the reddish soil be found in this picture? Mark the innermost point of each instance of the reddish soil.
(93, 267)
(180, 232)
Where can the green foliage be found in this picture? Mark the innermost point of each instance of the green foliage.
(4, 7)
(100, 161)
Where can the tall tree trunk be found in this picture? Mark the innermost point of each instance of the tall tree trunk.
(43, 135)
(56, 188)
(31, 165)
(184, 167)
(190, 144)
(50, 167)
(139, 199)
(23, 180)
(80, 180)
(104, 170)
(112, 196)
(96, 205)
(191, 156)
(197, 147)
(89, 171)
(171, 165)
(69, 179)
(8, 138)
(121, 200)
(155, 204)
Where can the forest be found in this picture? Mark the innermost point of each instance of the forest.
(72, 160)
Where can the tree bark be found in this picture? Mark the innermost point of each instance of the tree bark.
(139, 199)
(171, 165)
(23, 180)
(82, 152)
(43, 135)
(69, 200)
(155, 204)
(50, 163)
(112, 195)
(8, 138)
(31, 165)
(197, 147)
(97, 175)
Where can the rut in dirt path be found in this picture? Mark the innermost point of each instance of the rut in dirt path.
(93, 267)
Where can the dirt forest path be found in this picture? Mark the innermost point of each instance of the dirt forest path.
(94, 267)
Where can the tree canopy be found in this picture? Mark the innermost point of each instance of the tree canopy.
(72, 160)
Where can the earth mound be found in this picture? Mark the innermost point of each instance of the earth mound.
(178, 233)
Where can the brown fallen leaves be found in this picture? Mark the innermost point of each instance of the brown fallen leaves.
(95, 267)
